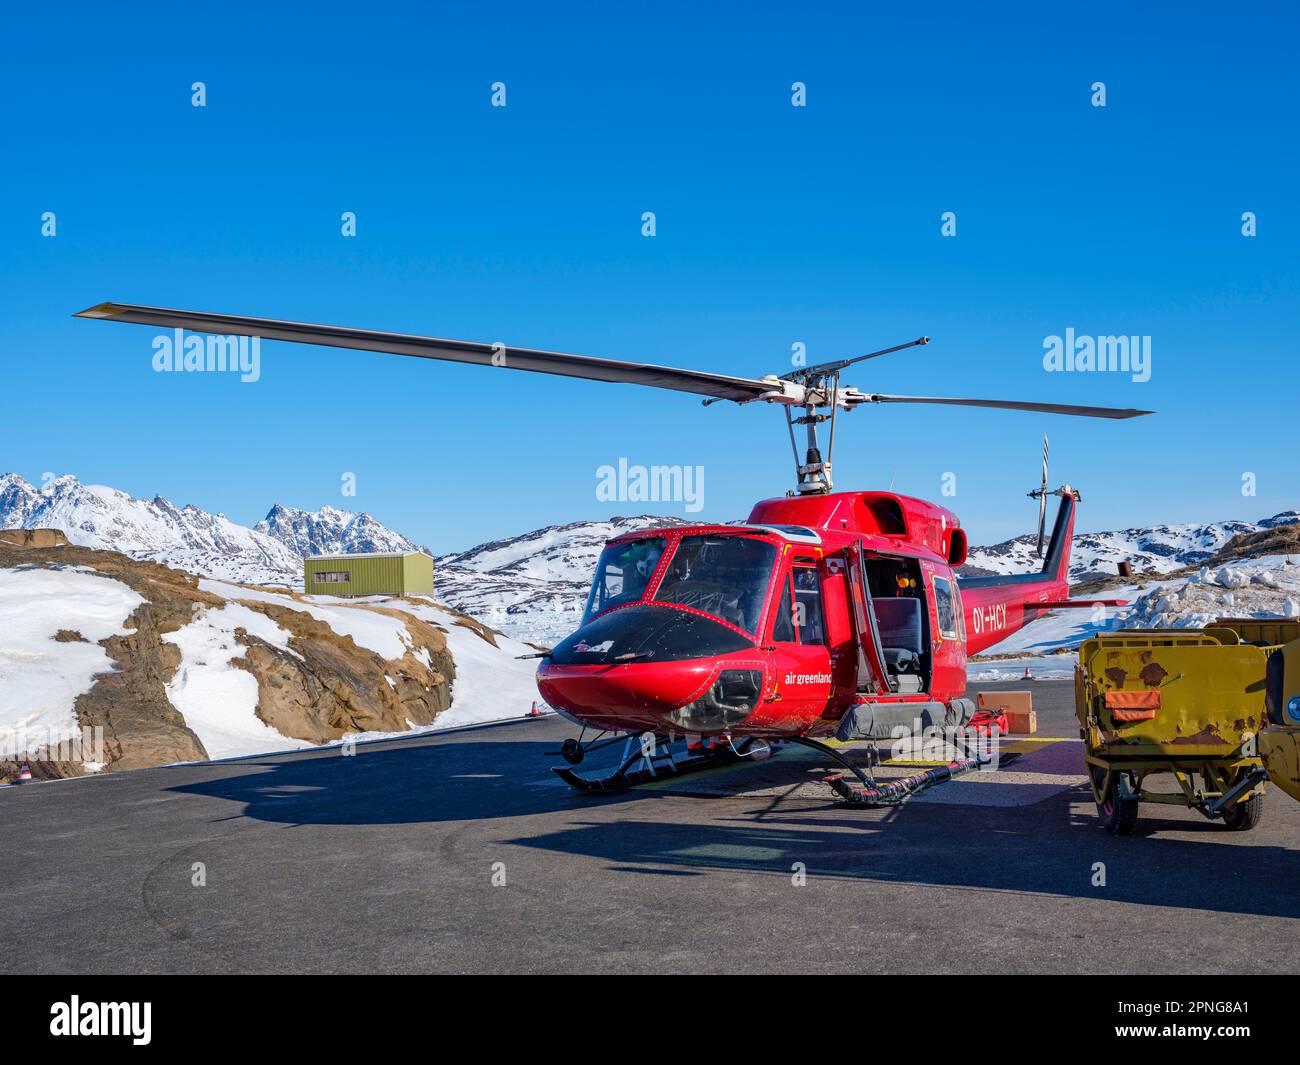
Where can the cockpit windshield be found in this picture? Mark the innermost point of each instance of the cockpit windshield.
(726, 576)
(622, 573)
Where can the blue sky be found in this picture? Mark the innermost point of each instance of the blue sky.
(775, 224)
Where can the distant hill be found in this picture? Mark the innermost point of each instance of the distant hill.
(1154, 549)
(188, 537)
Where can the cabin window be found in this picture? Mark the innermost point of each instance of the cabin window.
(808, 605)
(331, 576)
(945, 607)
(622, 574)
(783, 623)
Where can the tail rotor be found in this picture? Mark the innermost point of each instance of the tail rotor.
(1041, 495)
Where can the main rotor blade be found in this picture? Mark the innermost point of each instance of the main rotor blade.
(719, 386)
(831, 367)
(1011, 404)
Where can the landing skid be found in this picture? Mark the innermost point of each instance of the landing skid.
(657, 762)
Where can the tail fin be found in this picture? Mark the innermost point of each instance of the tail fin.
(1056, 563)
(998, 605)
(1056, 566)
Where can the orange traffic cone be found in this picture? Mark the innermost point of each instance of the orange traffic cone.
(25, 773)
(534, 712)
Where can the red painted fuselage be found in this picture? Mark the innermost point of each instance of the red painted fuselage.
(778, 626)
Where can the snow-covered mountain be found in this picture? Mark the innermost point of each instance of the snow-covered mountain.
(153, 529)
(532, 586)
(330, 531)
(1265, 586)
(188, 537)
(1157, 549)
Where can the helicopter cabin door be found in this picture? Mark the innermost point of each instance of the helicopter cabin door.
(873, 675)
(801, 656)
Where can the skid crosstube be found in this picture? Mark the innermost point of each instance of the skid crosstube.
(665, 766)
(870, 792)
(895, 792)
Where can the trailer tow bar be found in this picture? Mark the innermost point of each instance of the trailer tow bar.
(1248, 782)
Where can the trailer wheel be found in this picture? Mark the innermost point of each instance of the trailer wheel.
(1118, 815)
(1245, 815)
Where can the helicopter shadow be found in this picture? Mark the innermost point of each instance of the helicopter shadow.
(472, 780)
(1042, 850)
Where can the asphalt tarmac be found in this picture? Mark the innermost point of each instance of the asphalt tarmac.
(459, 852)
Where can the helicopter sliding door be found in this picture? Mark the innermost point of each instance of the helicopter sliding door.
(873, 675)
(900, 607)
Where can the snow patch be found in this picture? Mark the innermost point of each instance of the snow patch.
(40, 677)
(491, 682)
(1053, 667)
(1267, 587)
(386, 636)
(218, 699)
(1250, 588)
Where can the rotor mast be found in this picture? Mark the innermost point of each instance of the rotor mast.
(821, 386)
(813, 474)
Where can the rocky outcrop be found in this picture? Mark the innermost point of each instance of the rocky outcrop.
(1276, 540)
(328, 686)
(140, 726)
(33, 537)
(319, 688)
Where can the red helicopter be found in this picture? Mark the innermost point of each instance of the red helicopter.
(824, 614)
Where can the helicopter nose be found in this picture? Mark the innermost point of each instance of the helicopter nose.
(694, 696)
(641, 693)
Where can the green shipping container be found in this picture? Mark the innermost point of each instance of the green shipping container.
(393, 574)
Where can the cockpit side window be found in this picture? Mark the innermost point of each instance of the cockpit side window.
(808, 605)
(783, 616)
(623, 573)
